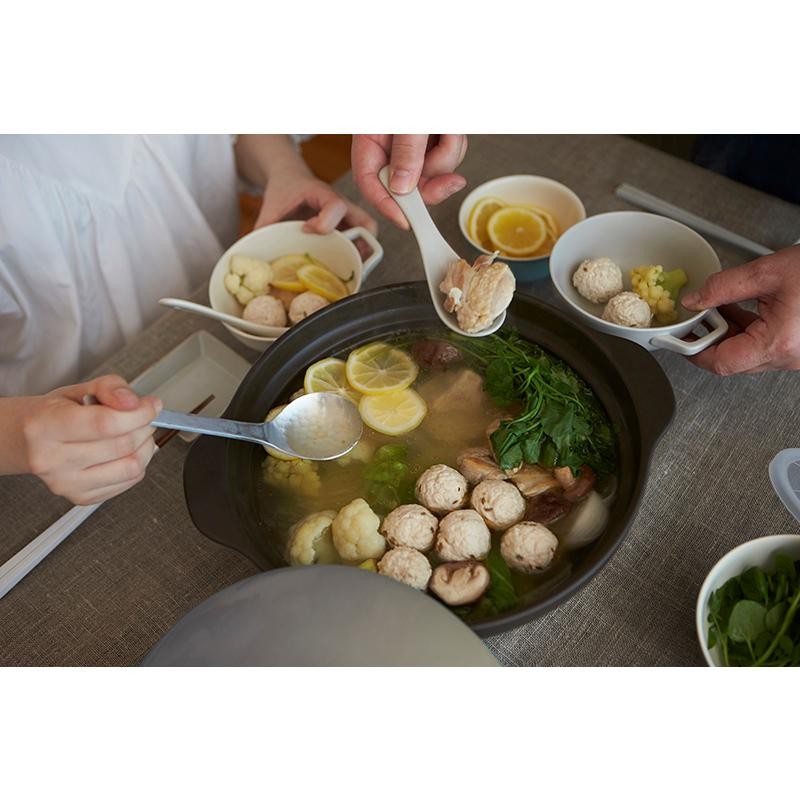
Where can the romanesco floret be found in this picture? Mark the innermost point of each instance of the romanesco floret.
(660, 290)
(298, 475)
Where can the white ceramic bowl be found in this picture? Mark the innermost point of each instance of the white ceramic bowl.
(632, 239)
(336, 250)
(559, 200)
(755, 553)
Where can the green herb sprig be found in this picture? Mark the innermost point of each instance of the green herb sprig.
(562, 422)
(754, 619)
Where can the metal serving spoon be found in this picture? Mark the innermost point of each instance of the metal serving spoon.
(318, 427)
(436, 253)
(267, 331)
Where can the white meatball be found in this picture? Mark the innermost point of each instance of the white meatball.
(598, 279)
(265, 310)
(410, 526)
(463, 536)
(441, 489)
(499, 503)
(528, 547)
(628, 309)
(406, 565)
(304, 305)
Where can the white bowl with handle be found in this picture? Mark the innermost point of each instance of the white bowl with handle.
(336, 250)
(632, 239)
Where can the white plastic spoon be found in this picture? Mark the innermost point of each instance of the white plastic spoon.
(436, 253)
(267, 331)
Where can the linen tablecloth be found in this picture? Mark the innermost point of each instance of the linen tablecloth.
(108, 593)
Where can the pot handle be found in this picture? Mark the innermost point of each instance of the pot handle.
(377, 251)
(717, 328)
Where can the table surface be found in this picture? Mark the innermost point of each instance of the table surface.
(129, 573)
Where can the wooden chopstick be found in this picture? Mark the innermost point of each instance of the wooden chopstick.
(164, 436)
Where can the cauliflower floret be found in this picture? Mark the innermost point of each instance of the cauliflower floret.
(297, 475)
(310, 540)
(463, 536)
(265, 309)
(362, 452)
(628, 309)
(410, 526)
(528, 547)
(355, 532)
(441, 489)
(597, 279)
(406, 565)
(304, 305)
(499, 503)
(256, 274)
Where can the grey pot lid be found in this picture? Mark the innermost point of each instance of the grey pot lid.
(320, 616)
(784, 472)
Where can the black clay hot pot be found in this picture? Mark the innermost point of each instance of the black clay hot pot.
(221, 477)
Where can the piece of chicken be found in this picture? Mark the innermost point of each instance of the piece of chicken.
(476, 464)
(478, 293)
(575, 486)
(532, 480)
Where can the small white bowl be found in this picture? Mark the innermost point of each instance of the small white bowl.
(559, 200)
(336, 250)
(632, 239)
(755, 553)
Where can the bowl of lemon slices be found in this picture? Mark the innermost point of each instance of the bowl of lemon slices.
(278, 275)
(521, 217)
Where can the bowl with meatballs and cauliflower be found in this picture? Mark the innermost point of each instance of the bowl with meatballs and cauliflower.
(624, 273)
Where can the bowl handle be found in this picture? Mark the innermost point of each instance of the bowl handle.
(377, 251)
(713, 320)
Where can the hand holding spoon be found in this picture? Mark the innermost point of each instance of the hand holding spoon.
(318, 427)
(436, 253)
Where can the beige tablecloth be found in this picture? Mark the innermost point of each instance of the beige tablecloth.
(138, 565)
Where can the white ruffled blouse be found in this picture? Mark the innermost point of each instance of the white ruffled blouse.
(93, 231)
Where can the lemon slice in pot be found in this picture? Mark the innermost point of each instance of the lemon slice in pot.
(393, 413)
(378, 368)
(329, 375)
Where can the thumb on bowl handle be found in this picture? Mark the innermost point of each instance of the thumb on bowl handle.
(377, 251)
(717, 328)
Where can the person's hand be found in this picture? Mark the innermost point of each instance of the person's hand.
(88, 453)
(422, 161)
(294, 193)
(768, 340)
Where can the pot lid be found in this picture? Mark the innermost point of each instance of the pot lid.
(784, 472)
(320, 616)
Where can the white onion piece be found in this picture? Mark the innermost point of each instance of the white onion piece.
(584, 523)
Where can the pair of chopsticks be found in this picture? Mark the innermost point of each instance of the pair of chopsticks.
(649, 202)
(19, 565)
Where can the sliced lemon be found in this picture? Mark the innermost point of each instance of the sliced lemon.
(547, 217)
(284, 272)
(393, 413)
(329, 375)
(271, 450)
(516, 231)
(479, 218)
(322, 281)
(378, 368)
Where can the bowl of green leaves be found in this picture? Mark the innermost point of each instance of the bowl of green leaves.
(748, 609)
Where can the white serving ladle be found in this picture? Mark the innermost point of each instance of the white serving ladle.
(436, 253)
(267, 331)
